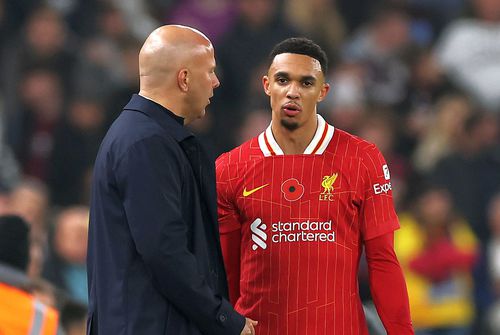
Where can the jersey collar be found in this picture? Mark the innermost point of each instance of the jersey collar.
(319, 142)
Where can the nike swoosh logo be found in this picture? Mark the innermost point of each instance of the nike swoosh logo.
(252, 191)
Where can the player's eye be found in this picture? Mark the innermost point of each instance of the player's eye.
(308, 83)
(281, 80)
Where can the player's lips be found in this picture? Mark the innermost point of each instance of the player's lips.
(291, 109)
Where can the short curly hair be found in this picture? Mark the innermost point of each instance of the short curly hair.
(302, 46)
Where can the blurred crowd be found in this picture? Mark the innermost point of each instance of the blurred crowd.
(419, 78)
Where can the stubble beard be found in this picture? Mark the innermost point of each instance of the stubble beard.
(289, 125)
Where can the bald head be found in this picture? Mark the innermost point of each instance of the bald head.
(168, 49)
(171, 61)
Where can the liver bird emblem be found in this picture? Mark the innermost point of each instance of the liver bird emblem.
(328, 182)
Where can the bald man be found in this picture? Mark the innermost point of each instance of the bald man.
(154, 259)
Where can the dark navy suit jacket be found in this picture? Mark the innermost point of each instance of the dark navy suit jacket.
(154, 259)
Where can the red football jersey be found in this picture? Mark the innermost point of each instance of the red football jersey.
(292, 228)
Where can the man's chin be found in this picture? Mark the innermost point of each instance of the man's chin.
(289, 124)
(202, 113)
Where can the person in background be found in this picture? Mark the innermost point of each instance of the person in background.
(65, 265)
(21, 312)
(437, 250)
(30, 200)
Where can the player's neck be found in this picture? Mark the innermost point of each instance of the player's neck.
(294, 142)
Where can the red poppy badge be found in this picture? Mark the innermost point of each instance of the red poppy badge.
(292, 189)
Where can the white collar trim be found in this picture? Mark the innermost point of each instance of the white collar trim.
(319, 143)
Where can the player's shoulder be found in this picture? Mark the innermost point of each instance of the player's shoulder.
(243, 153)
(350, 145)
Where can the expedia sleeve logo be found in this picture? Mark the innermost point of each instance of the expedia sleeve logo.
(383, 188)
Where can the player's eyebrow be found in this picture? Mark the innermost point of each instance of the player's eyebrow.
(286, 75)
(308, 78)
(281, 74)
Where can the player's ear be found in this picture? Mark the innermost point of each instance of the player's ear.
(183, 80)
(265, 83)
(324, 91)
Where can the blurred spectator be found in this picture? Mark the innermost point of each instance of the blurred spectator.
(112, 23)
(100, 68)
(13, 15)
(65, 266)
(357, 12)
(437, 250)
(427, 82)
(21, 312)
(441, 131)
(438, 13)
(378, 47)
(320, 21)
(75, 147)
(80, 16)
(42, 44)
(427, 85)
(30, 201)
(97, 70)
(469, 51)
(139, 15)
(213, 17)
(346, 105)
(129, 84)
(41, 113)
(9, 167)
(471, 173)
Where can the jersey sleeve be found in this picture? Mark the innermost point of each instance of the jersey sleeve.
(227, 213)
(229, 228)
(377, 215)
(387, 285)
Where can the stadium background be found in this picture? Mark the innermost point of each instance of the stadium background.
(419, 78)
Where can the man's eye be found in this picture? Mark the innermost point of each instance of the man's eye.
(308, 83)
(281, 80)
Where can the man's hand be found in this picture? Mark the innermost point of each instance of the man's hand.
(249, 327)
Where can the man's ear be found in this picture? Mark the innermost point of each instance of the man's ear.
(265, 83)
(324, 91)
(183, 80)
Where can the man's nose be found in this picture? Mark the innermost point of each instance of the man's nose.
(293, 91)
(215, 82)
